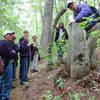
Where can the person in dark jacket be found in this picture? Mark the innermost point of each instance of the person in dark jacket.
(60, 39)
(34, 54)
(15, 57)
(6, 53)
(80, 11)
(24, 59)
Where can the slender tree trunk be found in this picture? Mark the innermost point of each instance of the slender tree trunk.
(58, 17)
(47, 25)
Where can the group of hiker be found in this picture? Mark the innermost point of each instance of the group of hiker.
(29, 51)
(9, 60)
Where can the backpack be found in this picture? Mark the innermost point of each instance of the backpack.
(96, 12)
(1, 66)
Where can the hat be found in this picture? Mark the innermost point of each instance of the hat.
(12, 32)
(69, 3)
(7, 32)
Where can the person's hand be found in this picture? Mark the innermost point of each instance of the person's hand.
(13, 51)
(72, 21)
(29, 44)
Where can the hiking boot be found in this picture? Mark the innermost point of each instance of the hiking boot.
(34, 70)
(24, 83)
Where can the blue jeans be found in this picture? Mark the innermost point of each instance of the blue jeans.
(14, 70)
(35, 61)
(6, 82)
(0, 86)
(24, 67)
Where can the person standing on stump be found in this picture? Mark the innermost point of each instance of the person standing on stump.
(80, 11)
(60, 39)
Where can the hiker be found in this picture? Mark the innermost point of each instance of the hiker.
(80, 11)
(83, 10)
(15, 57)
(60, 39)
(24, 59)
(34, 54)
(6, 54)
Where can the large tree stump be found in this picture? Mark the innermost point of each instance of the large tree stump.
(81, 51)
(78, 59)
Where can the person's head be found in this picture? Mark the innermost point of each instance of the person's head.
(34, 38)
(7, 35)
(26, 35)
(72, 6)
(61, 25)
(13, 36)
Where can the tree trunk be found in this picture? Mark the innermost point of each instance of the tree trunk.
(78, 55)
(81, 51)
(58, 17)
(47, 25)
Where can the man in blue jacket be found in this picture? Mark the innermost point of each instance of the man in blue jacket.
(80, 11)
(24, 59)
(6, 54)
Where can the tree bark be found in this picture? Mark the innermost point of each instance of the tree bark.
(47, 25)
(81, 53)
(58, 17)
(78, 59)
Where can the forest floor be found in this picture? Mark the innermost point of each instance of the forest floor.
(42, 84)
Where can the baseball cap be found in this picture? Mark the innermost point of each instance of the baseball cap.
(69, 3)
(7, 32)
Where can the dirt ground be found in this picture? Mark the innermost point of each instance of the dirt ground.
(43, 81)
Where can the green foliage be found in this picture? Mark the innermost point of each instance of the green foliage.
(52, 54)
(60, 82)
(96, 33)
(91, 98)
(70, 96)
(8, 18)
(82, 94)
(76, 96)
(57, 98)
(49, 96)
(87, 21)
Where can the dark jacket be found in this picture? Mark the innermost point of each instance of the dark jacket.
(5, 51)
(33, 50)
(21, 39)
(84, 11)
(24, 49)
(14, 47)
(58, 34)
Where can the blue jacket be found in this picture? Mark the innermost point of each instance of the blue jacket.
(84, 11)
(5, 51)
(24, 49)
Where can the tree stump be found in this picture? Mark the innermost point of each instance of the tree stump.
(81, 51)
(78, 59)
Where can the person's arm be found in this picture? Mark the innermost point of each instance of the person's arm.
(66, 34)
(83, 13)
(9, 51)
(57, 34)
